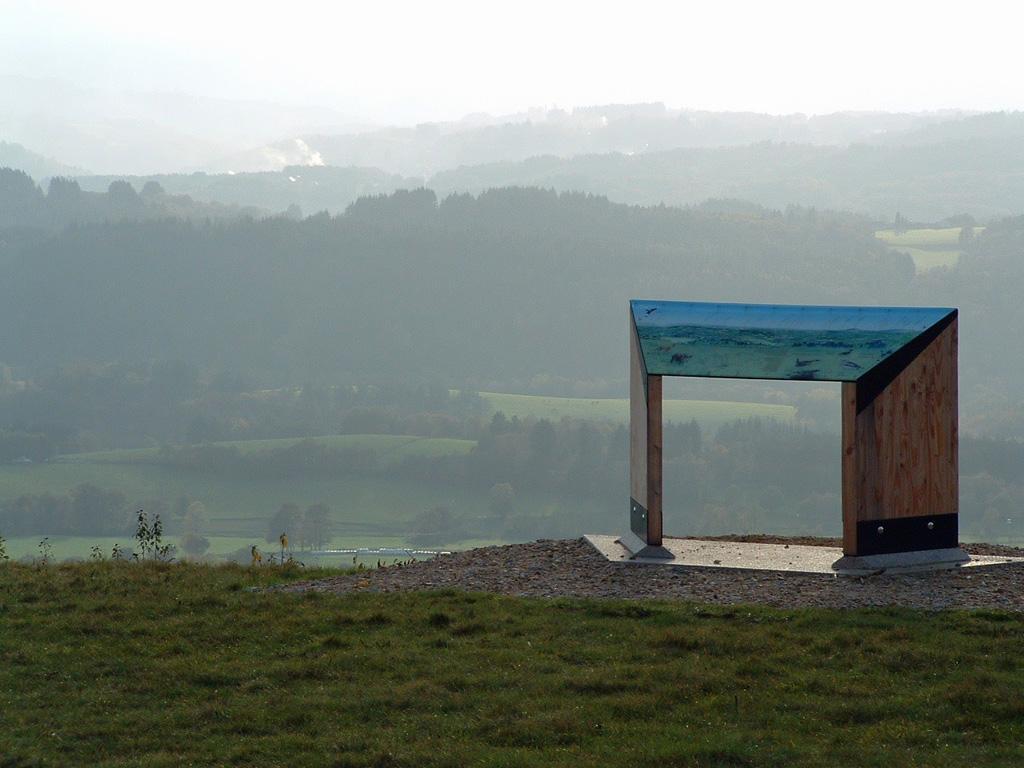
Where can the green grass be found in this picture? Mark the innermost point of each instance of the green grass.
(128, 665)
(929, 248)
(710, 414)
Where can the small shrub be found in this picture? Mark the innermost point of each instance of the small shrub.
(45, 551)
(150, 539)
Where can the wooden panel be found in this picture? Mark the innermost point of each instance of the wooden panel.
(654, 521)
(900, 455)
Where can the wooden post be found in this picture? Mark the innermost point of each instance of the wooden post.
(900, 455)
(654, 443)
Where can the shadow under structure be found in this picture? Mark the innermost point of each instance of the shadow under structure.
(898, 369)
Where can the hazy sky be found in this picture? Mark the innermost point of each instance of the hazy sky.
(415, 61)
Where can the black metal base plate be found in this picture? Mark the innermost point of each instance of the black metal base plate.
(907, 534)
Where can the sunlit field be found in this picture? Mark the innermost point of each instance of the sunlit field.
(929, 248)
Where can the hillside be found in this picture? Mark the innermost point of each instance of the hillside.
(109, 663)
(451, 290)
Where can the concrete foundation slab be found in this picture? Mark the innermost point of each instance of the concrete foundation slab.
(795, 558)
(903, 562)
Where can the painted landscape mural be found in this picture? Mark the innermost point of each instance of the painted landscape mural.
(773, 341)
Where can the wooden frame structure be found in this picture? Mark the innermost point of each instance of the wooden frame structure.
(900, 489)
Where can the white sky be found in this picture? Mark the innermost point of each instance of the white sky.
(414, 61)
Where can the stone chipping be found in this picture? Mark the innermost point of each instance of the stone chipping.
(573, 568)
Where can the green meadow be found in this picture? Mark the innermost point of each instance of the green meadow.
(128, 664)
(928, 247)
(371, 510)
(388, 448)
(366, 511)
(710, 414)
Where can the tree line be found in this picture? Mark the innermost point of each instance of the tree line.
(750, 476)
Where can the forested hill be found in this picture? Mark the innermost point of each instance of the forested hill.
(933, 176)
(503, 286)
(488, 292)
(23, 204)
(970, 166)
(427, 148)
(310, 188)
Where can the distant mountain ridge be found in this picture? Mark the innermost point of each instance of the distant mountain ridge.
(136, 133)
(981, 175)
(142, 132)
(20, 158)
(430, 148)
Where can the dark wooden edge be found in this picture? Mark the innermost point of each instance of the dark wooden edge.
(654, 460)
(875, 380)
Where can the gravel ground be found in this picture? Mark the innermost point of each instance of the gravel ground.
(572, 568)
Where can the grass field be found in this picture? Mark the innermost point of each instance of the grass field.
(367, 511)
(929, 248)
(389, 448)
(151, 665)
(710, 414)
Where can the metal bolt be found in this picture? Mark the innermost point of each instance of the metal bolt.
(881, 530)
(930, 525)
